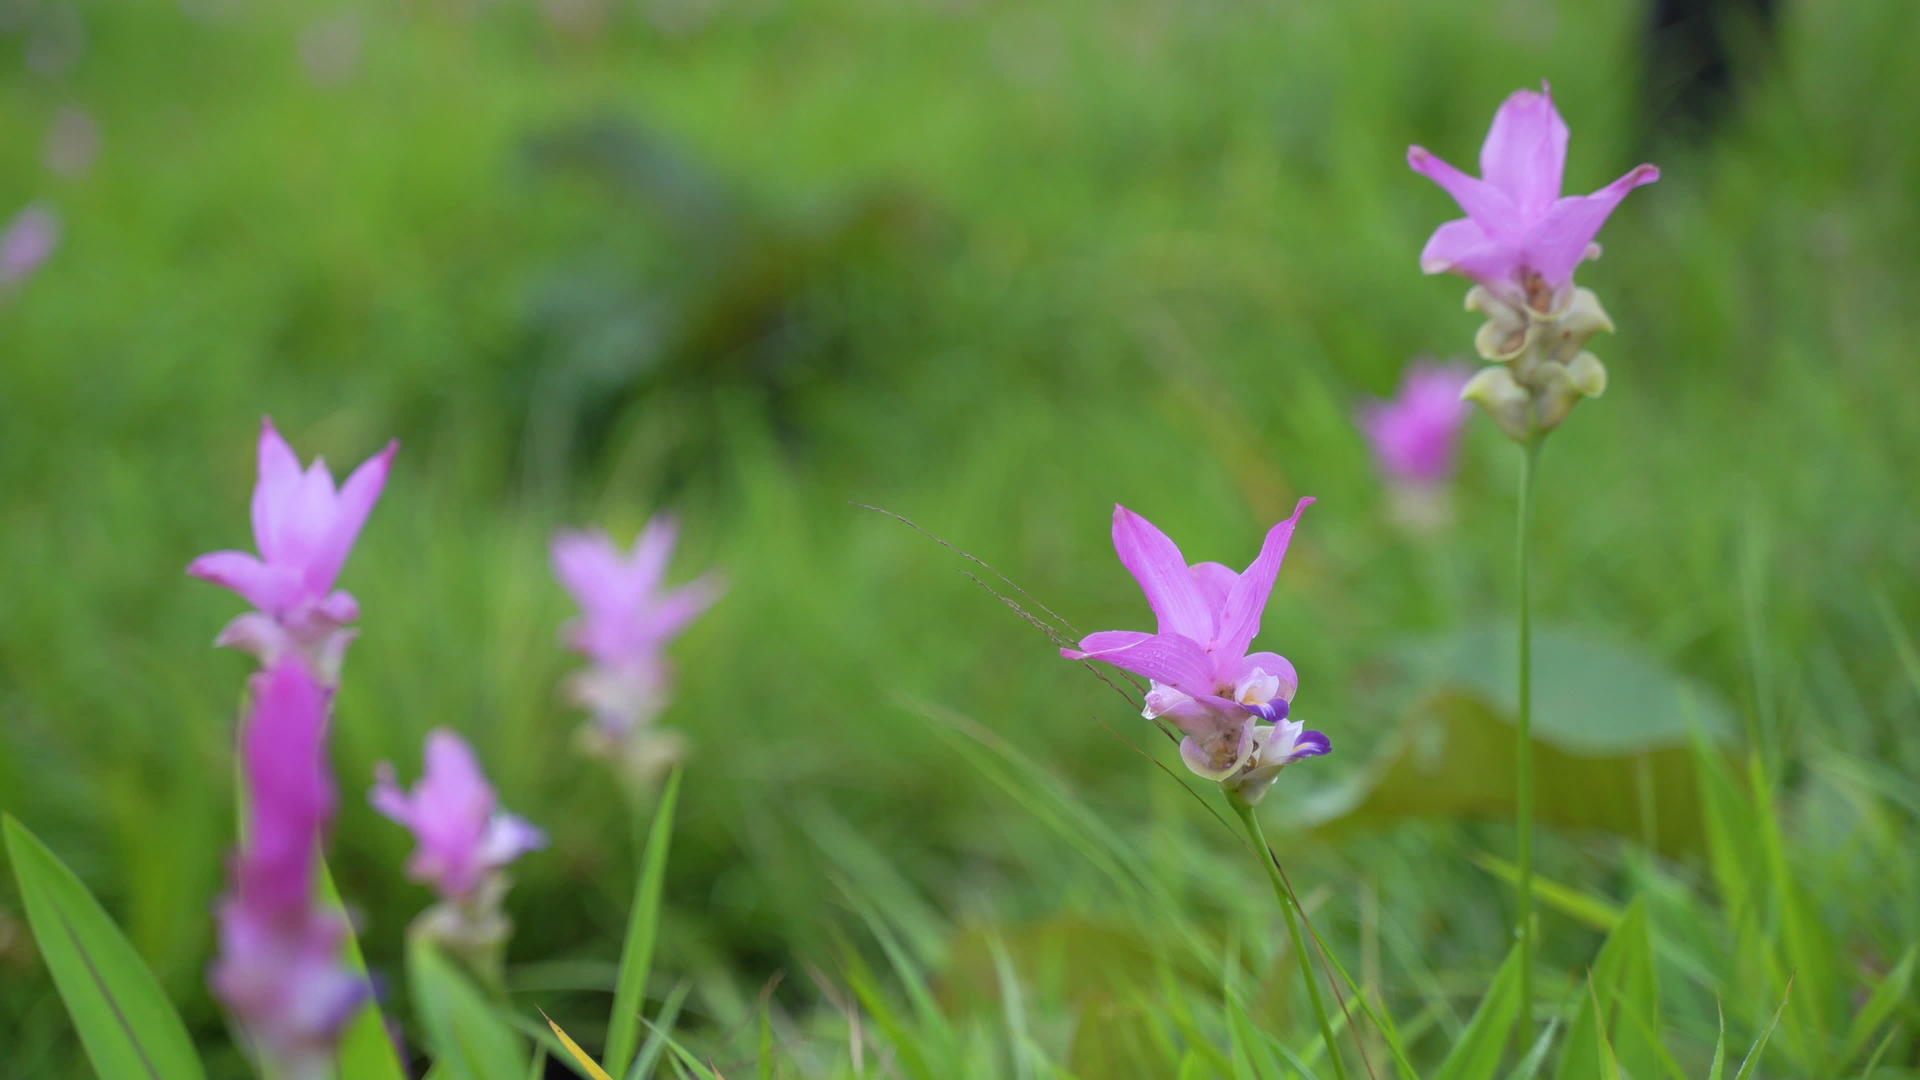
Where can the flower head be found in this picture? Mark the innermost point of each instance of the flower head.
(1203, 678)
(1415, 435)
(304, 528)
(29, 239)
(1276, 746)
(279, 971)
(463, 835)
(627, 617)
(1520, 238)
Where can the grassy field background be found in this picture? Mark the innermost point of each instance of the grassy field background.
(993, 267)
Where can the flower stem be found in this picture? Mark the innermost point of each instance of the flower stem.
(1523, 748)
(1288, 904)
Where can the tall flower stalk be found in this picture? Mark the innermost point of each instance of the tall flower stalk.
(1519, 244)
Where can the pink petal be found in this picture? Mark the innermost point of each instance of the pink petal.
(682, 606)
(652, 550)
(1526, 151)
(1561, 239)
(1462, 247)
(388, 797)
(348, 514)
(1105, 641)
(274, 489)
(588, 565)
(268, 588)
(1166, 658)
(1271, 663)
(1487, 205)
(508, 837)
(1156, 563)
(1240, 619)
(1215, 581)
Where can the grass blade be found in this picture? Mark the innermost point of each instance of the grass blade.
(365, 1048)
(636, 955)
(579, 1055)
(126, 1024)
(1477, 1055)
(469, 1041)
(1753, 1055)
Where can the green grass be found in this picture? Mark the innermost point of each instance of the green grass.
(994, 267)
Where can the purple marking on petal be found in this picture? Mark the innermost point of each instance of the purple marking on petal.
(1311, 744)
(1272, 711)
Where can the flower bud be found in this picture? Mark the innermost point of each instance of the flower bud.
(1510, 406)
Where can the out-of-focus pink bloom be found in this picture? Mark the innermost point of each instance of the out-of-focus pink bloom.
(279, 971)
(1415, 435)
(463, 835)
(305, 529)
(1202, 678)
(1520, 238)
(627, 617)
(30, 238)
(73, 143)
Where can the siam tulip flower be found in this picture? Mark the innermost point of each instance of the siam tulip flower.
(1521, 238)
(1519, 243)
(1202, 677)
(627, 618)
(305, 529)
(29, 239)
(465, 840)
(1415, 437)
(279, 970)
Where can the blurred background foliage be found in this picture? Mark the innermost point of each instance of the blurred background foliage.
(994, 266)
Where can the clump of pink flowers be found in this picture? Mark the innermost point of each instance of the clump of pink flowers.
(1230, 705)
(1520, 243)
(628, 615)
(1415, 439)
(304, 528)
(280, 971)
(464, 841)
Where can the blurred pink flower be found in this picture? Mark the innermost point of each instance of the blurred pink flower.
(627, 617)
(73, 142)
(1202, 677)
(1520, 238)
(1415, 435)
(30, 238)
(304, 529)
(463, 835)
(279, 971)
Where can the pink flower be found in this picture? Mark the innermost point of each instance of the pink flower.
(279, 970)
(463, 835)
(304, 529)
(1520, 238)
(1415, 435)
(627, 616)
(29, 239)
(1203, 679)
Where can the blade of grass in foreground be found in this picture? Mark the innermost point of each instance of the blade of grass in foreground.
(1753, 1056)
(573, 1048)
(469, 1041)
(365, 1049)
(126, 1024)
(636, 955)
(1477, 1054)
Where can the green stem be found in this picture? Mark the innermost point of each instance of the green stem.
(1523, 749)
(1288, 904)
